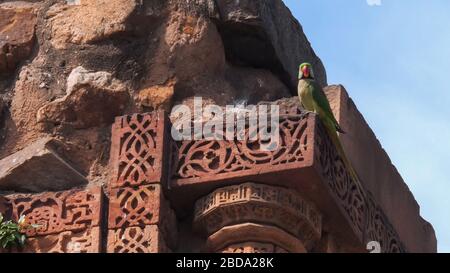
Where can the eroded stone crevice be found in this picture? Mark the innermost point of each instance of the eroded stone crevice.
(247, 46)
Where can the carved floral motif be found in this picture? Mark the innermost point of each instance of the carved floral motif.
(202, 158)
(349, 194)
(379, 229)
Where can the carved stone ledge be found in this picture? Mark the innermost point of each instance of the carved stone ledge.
(306, 161)
(258, 238)
(200, 166)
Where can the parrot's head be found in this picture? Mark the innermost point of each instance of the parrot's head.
(306, 71)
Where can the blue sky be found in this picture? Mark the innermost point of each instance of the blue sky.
(394, 60)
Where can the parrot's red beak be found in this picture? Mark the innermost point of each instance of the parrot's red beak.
(305, 71)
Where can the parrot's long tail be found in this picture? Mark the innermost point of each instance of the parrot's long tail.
(337, 143)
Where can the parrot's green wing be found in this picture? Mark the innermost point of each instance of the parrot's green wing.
(321, 99)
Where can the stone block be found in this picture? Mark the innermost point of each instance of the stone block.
(17, 26)
(141, 207)
(200, 166)
(37, 168)
(147, 239)
(56, 212)
(138, 151)
(69, 221)
(306, 162)
(86, 241)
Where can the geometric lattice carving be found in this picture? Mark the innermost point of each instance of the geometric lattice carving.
(138, 206)
(139, 215)
(137, 149)
(200, 161)
(136, 240)
(141, 207)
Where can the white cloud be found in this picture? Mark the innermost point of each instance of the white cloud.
(374, 2)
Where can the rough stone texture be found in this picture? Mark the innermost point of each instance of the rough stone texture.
(88, 21)
(260, 33)
(3, 205)
(17, 25)
(156, 98)
(379, 176)
(38, 168)
(92, 99)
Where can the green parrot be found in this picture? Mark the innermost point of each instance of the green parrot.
(313, 99)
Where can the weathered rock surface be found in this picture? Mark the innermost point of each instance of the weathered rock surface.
(265, 34)
(38, 168)
(17, 26)
(87, 21)
(92, 99)
(153, 54)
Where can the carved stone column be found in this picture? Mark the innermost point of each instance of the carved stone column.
(257, 218)
(140, 217)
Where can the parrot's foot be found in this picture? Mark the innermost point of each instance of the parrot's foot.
(306, 112)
